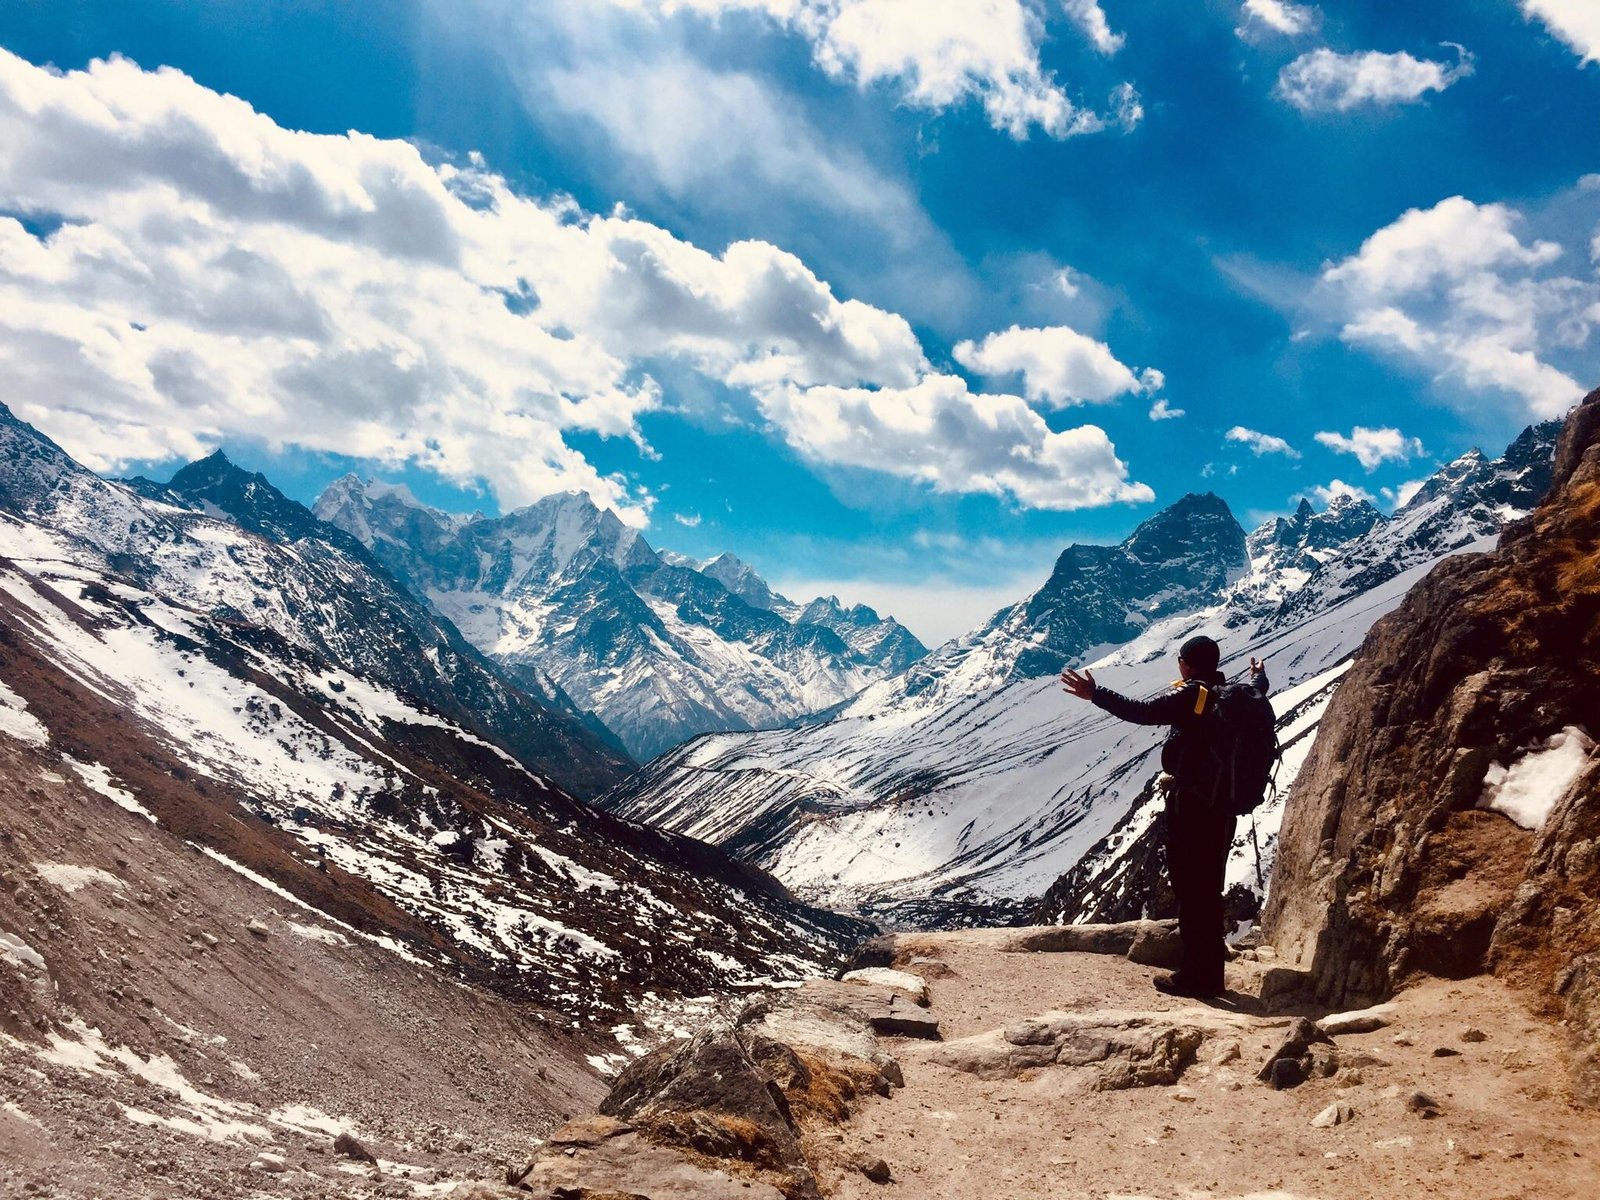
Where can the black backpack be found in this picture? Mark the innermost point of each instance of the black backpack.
(1245, 741)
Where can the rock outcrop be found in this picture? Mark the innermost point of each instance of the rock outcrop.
(740, 1108)
(1484, 684)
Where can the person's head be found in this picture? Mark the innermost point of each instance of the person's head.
(1198, 657)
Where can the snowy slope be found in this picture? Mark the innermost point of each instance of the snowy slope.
(659, 648)
(961, 790)
(207, 679)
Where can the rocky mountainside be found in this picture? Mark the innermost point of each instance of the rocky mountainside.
(323, 596)
(1445, 822)
(963, 789)
(657, 647)
(249, 699)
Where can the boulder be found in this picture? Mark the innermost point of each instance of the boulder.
(1117, 1049)
(1583, 1029)
(1361, 1020)
(1084, 939)
(626, 1164)
(913, 987)
(1296, 1049)
(1157, 944)
(708, 1094)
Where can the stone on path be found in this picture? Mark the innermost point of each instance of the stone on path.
(1334, 1114)
(625, 1164)
(912, 986)
(1361, 1020)
(1120, 1049)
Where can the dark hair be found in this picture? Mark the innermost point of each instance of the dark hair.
(1202, 654)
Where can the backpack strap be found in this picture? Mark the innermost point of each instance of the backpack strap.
(1200, 700)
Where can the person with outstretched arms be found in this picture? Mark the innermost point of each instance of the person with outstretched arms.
(1199, 826)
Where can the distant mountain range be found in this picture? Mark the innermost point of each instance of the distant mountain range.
(659, 647)
(253, 687)
(965, 787)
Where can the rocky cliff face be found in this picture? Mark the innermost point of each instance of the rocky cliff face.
(1482, 689)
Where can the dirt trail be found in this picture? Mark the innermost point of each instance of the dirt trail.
(1505, 1127)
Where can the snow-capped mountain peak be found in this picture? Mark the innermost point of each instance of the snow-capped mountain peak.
(658, 648)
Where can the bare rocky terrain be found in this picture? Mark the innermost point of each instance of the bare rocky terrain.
(1064, 1074)
(198, 1035)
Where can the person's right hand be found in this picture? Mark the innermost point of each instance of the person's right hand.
(1081, 686)
(1257, 664)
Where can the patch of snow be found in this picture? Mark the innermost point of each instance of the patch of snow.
(99, 779)
(16, 951)
(315, 933)
(17, 722)
(1529, 788)
(72, 879)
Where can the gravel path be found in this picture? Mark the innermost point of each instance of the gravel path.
(1504, 1126)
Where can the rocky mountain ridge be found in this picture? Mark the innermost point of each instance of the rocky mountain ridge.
(250, 699)
(658, 647)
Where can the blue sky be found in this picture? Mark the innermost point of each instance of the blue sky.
(883, 297)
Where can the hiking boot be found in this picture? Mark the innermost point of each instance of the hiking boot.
(1177, 984)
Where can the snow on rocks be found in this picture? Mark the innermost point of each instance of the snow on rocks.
(17, 722)
(1527, 790)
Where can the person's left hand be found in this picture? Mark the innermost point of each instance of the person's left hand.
(1081, 686)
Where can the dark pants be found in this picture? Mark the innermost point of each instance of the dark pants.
(1198, 840)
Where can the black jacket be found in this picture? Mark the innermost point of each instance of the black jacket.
(1187, 708)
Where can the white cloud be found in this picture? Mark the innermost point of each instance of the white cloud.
(1325, 81)
(939, 433)
(1401, 496)
(1373, 447)
(698, 132)
(688, 521)
(1261, 443)
(934, 56)
(1265, 18)
(1457, 290)
(1161, 410)
(1127, 109)
(219, 275)
(1059, 366)
(1089, 17)
(1575, 22)
(1339, 488)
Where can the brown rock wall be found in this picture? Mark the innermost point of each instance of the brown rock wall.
(1386, 868)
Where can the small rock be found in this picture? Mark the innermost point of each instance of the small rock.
(1422, 1104)
(255, 926)
(1351, 1077)
(1446, 1052)
(1183, 1095)
(1226, 1053)
(348, 1146)
(1334, 1114)
(1324, 1062)
(273, 1164)
(1401, 1039)
(874, 1169)
(210, 939)
(1471, 1034)
(1516, 1060)
(1286, 1073)
(1365, 1020)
